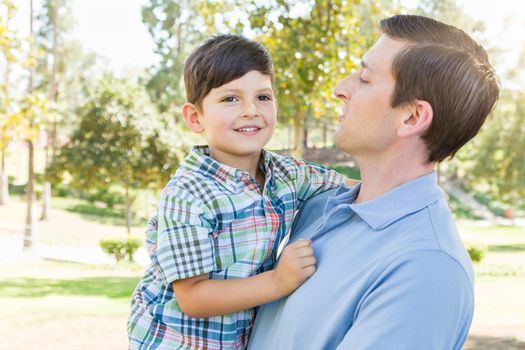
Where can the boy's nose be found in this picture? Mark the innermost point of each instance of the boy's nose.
(251, 110)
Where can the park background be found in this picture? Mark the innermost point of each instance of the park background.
(90, 131)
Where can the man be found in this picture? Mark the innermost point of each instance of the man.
(392, 272)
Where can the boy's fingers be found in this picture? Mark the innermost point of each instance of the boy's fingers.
(308, 271)
(301, 243)
(308, 261)
(303, 252)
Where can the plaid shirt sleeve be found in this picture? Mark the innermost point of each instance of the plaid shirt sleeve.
(184, 246)
(314, 179)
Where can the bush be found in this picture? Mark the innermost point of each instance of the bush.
(349, 172)
(121, 247)
(476, 252)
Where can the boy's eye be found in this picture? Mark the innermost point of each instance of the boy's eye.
(264, 98)
(230, 99)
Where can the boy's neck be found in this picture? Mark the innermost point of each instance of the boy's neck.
(249, 163)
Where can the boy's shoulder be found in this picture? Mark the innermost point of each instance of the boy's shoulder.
(188, 180)
(289, 166)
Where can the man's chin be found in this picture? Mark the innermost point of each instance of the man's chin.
(341, 144)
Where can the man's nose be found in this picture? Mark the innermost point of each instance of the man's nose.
(342, 90)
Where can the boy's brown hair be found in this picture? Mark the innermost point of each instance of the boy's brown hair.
(449, 70)
(221, 59)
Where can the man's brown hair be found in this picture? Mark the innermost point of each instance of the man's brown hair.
(449, 70)
(221, 59)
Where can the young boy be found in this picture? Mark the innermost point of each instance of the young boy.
(213, 243)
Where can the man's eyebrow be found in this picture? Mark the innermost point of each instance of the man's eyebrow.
(366, 66)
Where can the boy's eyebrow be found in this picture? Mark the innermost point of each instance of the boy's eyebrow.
(240, 91)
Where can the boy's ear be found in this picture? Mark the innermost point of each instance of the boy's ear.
(191, 117)
(417, 120)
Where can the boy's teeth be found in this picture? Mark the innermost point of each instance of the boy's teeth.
(247, 129)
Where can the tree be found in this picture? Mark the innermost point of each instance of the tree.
(498, 166)
(9, 123)
(33, 113)
(313, 46)
(175, 27)
(120, 140)
(54, 22)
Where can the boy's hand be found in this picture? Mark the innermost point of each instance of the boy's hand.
(297, 263)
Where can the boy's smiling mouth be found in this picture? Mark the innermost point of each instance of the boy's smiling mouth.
(248, 130)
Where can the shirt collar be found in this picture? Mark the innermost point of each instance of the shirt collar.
(200, 160)
(399, 202)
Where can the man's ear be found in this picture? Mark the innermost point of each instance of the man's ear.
(417, 120)
(191, 117)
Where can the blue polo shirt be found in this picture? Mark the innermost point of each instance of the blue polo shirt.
(392, 273)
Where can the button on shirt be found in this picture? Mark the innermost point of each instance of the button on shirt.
(216, 220)
(392, 274)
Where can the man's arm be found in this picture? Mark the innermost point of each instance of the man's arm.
(201, 297)
(423, 302)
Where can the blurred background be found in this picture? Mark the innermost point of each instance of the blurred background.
(90, 131)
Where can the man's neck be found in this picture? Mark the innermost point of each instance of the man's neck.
(379, 176)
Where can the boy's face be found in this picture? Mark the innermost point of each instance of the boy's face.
(238, 118)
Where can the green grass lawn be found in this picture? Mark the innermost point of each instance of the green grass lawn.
(53, 305)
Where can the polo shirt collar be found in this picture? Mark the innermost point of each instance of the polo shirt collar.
(199, 160)
(399, 202)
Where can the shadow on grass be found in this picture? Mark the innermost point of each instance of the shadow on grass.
(111, 287)
(517, 247)
(490, 343)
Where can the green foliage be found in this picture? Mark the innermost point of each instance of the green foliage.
(347, 171)
(313, 47)
(121, 247)
(459, 210)
(477, 252)
(120, 140)
(497, 155)
(175, 27)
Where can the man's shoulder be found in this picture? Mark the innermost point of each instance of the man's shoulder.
(431, 232)
(312, 210)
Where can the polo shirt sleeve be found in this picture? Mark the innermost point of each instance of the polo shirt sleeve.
(313, 179)
(184, 246)
(424, 301)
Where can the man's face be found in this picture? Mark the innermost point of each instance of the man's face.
(368, 122)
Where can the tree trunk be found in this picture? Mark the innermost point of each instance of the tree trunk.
(46, 201)
(148, 204)
(29, 233)
(325, 132)
(52, 136)
(298, 128)
(4, 185)
(128, 210)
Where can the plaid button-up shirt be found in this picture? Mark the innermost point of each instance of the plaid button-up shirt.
(216, 220)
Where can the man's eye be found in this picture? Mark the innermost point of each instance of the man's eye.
(230, 99)
(264, 98)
